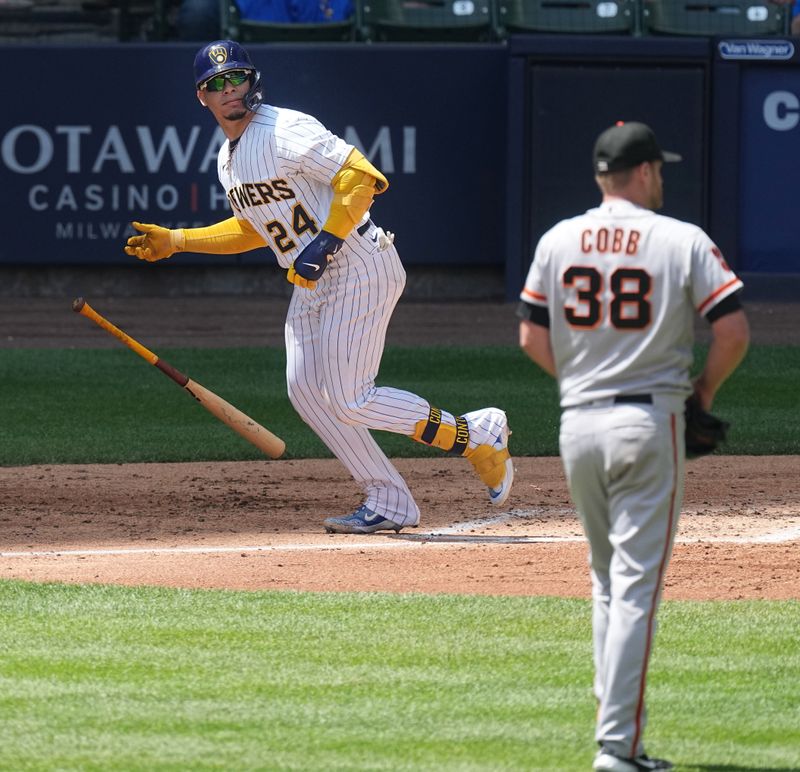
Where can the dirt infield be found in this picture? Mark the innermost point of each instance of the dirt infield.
(257, 525)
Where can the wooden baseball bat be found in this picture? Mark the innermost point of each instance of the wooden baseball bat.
(240, 422)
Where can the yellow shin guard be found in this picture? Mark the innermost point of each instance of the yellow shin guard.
(451, 439)
(489, 463)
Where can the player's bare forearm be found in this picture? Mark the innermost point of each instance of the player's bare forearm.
(535, 342)
(731, 338)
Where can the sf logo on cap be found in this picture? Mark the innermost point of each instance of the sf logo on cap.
(218, 54)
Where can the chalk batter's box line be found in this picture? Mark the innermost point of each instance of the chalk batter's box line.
(397, 541)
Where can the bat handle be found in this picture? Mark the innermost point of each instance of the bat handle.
(171, 372)
(80, 306)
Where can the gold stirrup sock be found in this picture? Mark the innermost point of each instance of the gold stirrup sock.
(489, 463)
(451, 439)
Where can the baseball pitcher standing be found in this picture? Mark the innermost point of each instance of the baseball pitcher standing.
(303, 192)
(608, 309)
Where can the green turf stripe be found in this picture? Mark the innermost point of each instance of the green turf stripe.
(110, 406)
(115, 678)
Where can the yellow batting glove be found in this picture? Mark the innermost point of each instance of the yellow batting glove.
(295, 278)
(156, 243)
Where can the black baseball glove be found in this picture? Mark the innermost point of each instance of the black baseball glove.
(704, 431)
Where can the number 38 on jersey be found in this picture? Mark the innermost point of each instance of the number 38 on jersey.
(630, 287)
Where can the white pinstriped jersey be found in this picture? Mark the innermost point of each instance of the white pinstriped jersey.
(278, 177)
(621, 286)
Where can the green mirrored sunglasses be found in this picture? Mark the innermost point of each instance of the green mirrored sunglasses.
(234, 77)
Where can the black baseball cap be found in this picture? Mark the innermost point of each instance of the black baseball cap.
(626, 145)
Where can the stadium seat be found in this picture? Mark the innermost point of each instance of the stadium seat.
(427, 20)
(262, 31)
(56, 21)
(252, 31)
(715, 17)
(570, 16)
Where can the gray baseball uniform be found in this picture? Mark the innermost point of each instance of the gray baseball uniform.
(618, 288)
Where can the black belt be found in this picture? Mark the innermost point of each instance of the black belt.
(362, 229)
(638, 399)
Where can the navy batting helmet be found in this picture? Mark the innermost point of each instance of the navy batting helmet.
(223, 56)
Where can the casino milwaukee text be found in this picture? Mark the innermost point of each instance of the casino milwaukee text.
(88, 182)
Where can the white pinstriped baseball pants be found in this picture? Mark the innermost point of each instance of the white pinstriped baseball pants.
(335, 337)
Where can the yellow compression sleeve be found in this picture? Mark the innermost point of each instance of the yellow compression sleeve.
(354, 187)
(223, 238)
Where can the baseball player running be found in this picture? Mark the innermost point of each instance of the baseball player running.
(303, 192)
(607, 309)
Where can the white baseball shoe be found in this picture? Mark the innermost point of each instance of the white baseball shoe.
(491, 458)
(609, 762)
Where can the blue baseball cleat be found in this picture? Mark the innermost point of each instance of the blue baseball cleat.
(363, 520)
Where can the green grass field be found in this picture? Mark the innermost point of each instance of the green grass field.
(110, 406)
(114, 678)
